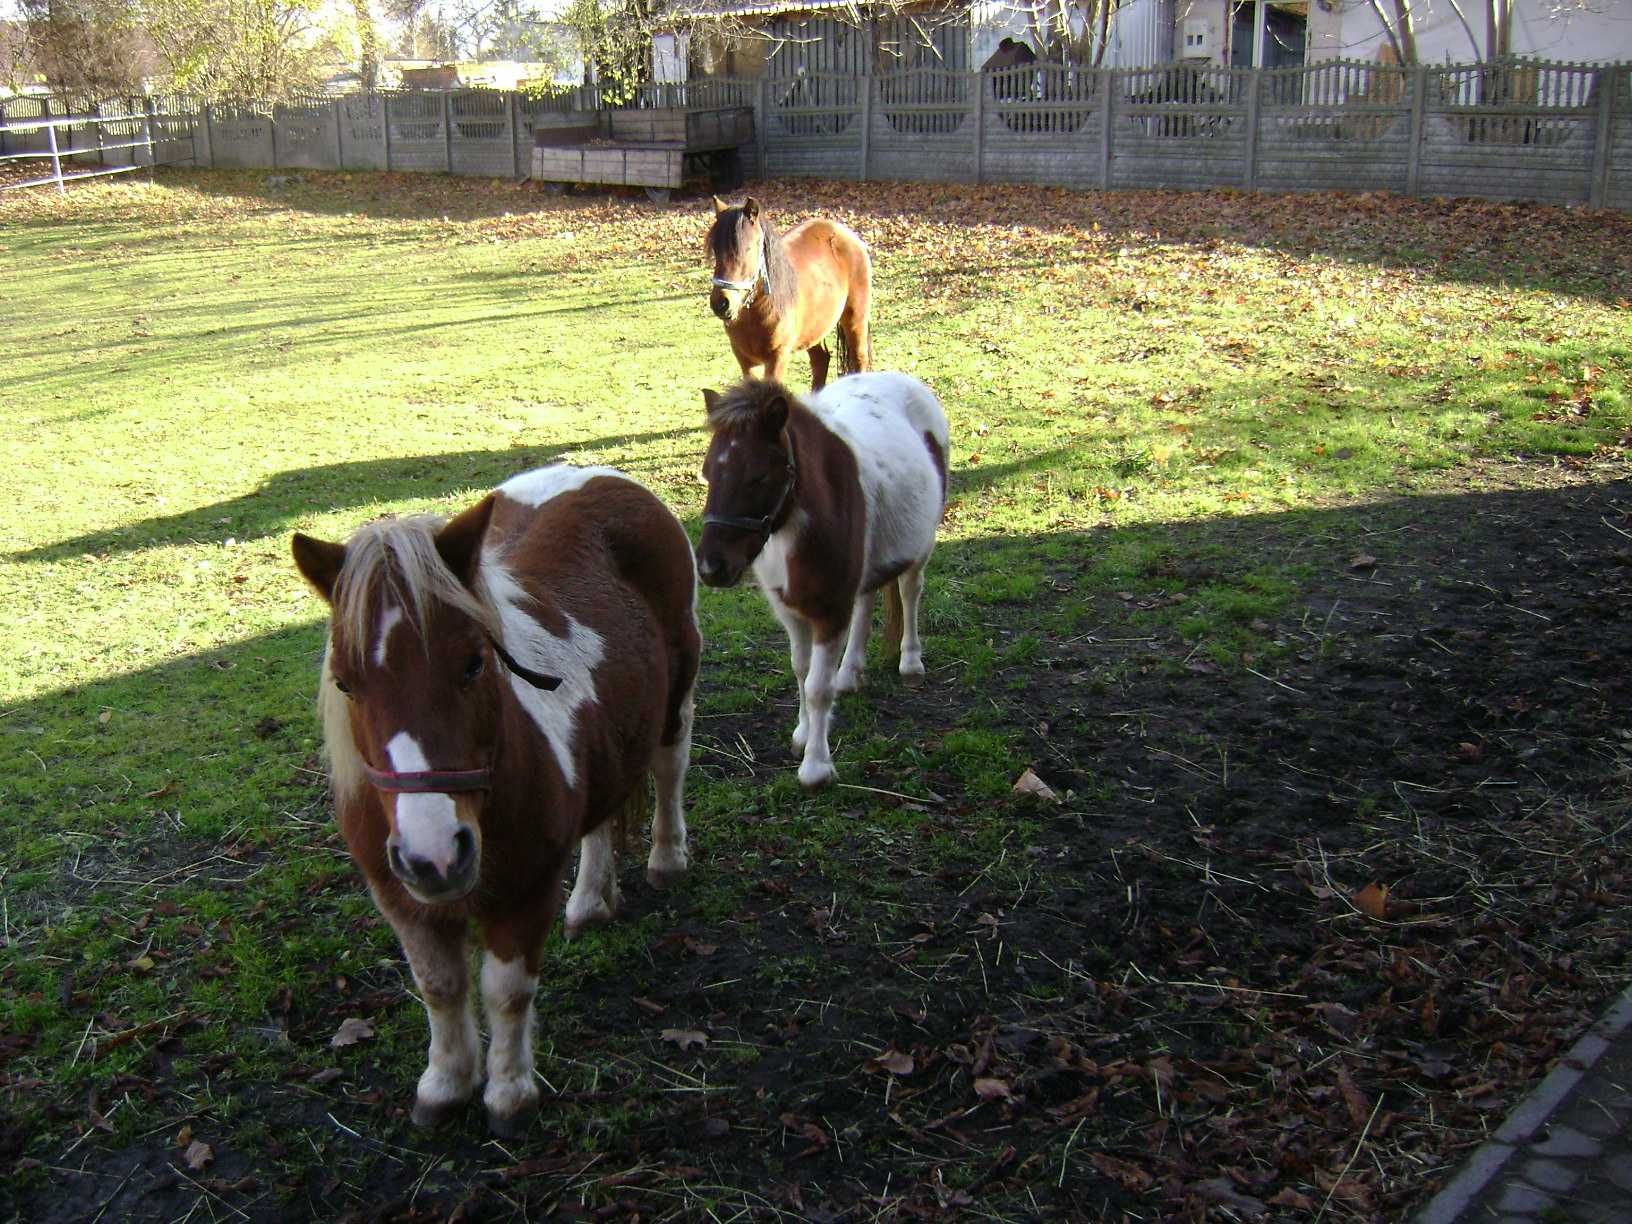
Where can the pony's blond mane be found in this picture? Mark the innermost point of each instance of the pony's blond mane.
(395, 559)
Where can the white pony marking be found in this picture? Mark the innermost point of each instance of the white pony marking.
(538, 486)
(574, 658)
(390, 618)
(425, 823)
(507, 996)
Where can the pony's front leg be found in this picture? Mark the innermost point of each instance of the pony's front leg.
(594, 900)
(855, 654)
(514, 949)
(436, 955)
(817, 767)
(798, 629)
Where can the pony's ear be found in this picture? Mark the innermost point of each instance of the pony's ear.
(750, 208)
(711, 400)
(319, 562)
(719, 206)
(774, 415)
(459, 543)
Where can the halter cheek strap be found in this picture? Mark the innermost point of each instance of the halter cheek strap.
(764, 525)
(750, 288)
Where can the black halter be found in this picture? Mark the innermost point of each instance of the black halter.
(449, 781)
(765, 525)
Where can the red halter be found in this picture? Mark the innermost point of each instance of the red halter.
(428, 781)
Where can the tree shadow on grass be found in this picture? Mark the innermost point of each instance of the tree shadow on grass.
(1473, 673)
(280, 501)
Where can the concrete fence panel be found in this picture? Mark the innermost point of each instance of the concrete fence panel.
(483, 141)
(417, 131)
(241, 135)
(813, 127)
(1510, 132)
(1617, 171)
(1042, 124)
(362, 132)
(922, 126)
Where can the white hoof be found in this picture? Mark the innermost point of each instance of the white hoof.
(593, 913)
(511, 1104)
(815, 774)
(666, 865)
(848, 681)
(442, 1094)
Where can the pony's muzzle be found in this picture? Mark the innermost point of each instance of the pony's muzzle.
(432, 879)
(716, 571)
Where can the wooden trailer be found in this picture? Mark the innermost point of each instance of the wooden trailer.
(657, 149)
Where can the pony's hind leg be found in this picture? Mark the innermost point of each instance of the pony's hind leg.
(436, 955)
(820, 359)
(594, 900)
(668, 860)
(855, 654)
(911, 586)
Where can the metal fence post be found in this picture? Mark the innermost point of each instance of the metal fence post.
(980, 126)
(1249, 175)
(1419, 124)
(51, 143)
(1598, 186)
(1107, 87)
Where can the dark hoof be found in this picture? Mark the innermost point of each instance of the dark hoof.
(432, 1116)
(515, 1126)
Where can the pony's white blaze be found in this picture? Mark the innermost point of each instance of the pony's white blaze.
(573, 658)
(537, 487)
(426, 824)
(390, 618)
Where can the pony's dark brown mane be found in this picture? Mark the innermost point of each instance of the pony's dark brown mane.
(744, 405)
(725, 242)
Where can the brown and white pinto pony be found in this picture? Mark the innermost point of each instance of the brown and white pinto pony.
(830, 499)
(780, 296)
(495, 689)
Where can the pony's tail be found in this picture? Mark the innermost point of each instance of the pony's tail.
(627, 820)
(895, 620)
(848, 361)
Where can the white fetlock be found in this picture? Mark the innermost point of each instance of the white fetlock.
(801, 735)
(849, 680)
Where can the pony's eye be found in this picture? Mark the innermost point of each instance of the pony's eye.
(473, 667)
(342, 686)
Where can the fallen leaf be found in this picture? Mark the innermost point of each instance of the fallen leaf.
(1362, 561)
(686, 1038)
(648, 1005)
(1125, 1173)
(896, 1062)
(1372, 900)
(989, 1088)
(198, 1155)
(352, 1030)
(1029, 783)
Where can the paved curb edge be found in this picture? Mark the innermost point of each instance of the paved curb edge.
(1491, 1157)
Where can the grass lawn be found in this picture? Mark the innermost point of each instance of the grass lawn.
(1169, 413)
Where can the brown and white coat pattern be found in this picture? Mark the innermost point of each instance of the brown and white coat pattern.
(866, 465)
(444, 642)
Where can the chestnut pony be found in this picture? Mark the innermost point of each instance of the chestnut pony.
(830, 499)
(780, 296)
(495, 688)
